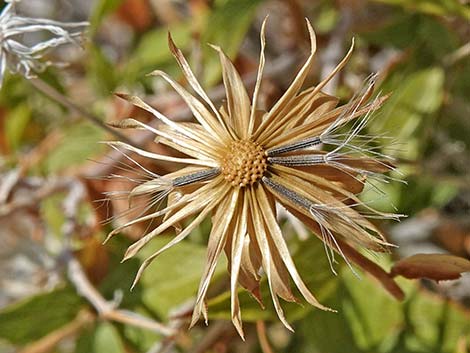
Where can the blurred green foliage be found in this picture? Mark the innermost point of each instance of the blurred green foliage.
(28, 320)
(428, 109)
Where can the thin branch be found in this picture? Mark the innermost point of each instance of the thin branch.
(45, 190)
(9, 181)
(58, 97)
(177, 319)
(107, 310)
(457, 55)
(213, 334)
(50, 341)
(40, 151)
(164, 346)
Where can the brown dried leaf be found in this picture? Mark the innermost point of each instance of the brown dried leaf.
(438, 267)
(94, 258)
(136, 13)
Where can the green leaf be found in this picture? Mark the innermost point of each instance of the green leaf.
(389, 197)
(101, 9)
(141, 340)
(435, 324)
(438, 41)
(16, 123)
(120, 278)
(152, 52)
(103, 337)
(174, 276)
(427, 192)
(35, 317)
(226, 27)
(399, 31)
(426, 38)
(408, 107)
(369, 320)
(373, 315)
(80, 143)
(326, 18)
(433, 7)
(101, 71)
(52, 213)
(107, 339)
(332, 335)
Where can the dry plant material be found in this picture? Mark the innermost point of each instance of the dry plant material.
(136, 13)
(19, 56)
(438, 267)
(240, 162)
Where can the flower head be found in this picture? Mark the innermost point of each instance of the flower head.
(25, 59)
(242, 162)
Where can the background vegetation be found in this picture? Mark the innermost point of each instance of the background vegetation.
(52, 224)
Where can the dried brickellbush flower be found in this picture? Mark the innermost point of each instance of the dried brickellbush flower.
(243, 161)
(18, 56)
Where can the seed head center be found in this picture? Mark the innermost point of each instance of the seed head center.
(244, 163)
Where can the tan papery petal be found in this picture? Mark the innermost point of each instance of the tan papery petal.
(281, 246)
(353, 255)
(238, 241)
(194, 206)
(223, 218)
(321, 123)
(193, 148)
(141, 104)
(200, 112)
(238, 102)
(178, 55)
(266, 256)
(336, 214)
(274, 117)
(183, 234)
(259, 76)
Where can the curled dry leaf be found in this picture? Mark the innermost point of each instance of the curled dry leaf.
(438, 267)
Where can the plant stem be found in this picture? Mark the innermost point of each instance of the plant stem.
(262, 337)
(49, 342)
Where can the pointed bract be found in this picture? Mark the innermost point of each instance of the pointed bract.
(242, 162)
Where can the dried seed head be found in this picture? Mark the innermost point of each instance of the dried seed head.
(244, 163)
(235, 187)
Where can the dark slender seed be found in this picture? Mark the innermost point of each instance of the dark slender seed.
(298, 160)
(195, 177)
(312, 141)
(288, 194)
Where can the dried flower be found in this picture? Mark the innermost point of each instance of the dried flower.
(21, 58)
(242, 162)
